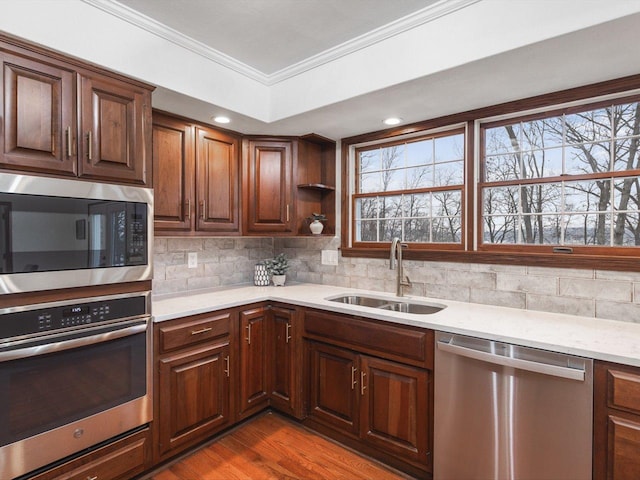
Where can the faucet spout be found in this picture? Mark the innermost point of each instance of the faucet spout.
(396, 254)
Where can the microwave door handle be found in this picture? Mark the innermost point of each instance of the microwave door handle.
(53, 347)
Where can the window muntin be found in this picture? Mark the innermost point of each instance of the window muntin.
(412, 190)
(569, 178)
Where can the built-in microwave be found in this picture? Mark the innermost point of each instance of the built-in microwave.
(58, 233)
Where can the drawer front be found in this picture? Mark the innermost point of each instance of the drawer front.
(405, 344)
(194, 330)
(624, 390)
(122, 463)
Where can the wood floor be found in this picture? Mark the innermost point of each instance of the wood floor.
(272, 447)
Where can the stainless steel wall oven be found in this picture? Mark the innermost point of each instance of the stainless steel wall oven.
(58, 233)
(72, 374)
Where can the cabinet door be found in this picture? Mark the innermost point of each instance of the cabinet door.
(284, 390)
(174, 179)
(395, 408)
(218, 181)
(39, 108)
(334, 393)
(193, 396)
(623, 458)
(115, 117)
(254, 358)
(268, 191)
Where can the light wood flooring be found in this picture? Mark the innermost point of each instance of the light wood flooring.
(272, 447)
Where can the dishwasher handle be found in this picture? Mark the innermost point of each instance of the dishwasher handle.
(543, 368)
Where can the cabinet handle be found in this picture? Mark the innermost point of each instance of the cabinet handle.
(202, 330)
(288, 332)
(226, 362)
(201, 209)
(287, 212)
(189, 209)
(95, 477)
(353, 378)
(362, 385)
(249, 334)
(89, 146)
(68, 139)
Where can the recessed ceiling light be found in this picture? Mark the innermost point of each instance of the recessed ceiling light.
(221, 119)
(392, 121)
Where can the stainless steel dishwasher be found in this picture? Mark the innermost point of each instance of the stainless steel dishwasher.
(506, 412)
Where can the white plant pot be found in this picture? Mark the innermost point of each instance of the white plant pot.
(316, 227)
(278, 280)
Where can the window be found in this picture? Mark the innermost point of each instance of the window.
(552, 180)
(566, 179)
(411, 189)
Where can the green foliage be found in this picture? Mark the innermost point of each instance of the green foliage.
(278, 265)
(318, 216)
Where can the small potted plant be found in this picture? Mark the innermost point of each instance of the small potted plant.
(316, 225)
(278, 267)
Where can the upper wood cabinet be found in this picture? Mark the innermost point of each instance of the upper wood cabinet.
(197, 181)
(268, 191)
(106, 136)
(39, 109)
(285, 180)
(115, 119)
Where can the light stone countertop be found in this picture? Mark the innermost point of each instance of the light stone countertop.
(609, 340)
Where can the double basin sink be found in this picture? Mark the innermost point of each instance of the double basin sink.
(404, 306)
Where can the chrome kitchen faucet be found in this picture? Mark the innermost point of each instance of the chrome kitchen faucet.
(396, 252)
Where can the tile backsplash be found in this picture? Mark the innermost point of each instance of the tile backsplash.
(230, 261)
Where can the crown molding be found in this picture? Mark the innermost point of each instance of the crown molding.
(420, 17)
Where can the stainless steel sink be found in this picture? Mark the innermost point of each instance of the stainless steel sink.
(360, 300)
(389, 304)
(417, 308)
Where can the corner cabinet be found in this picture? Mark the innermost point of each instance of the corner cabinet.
(370, 385)
(616, 454)
(269, 360)
(66, 118)
(285, 180)
(268, 194)
(197, 181)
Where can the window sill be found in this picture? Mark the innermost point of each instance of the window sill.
(558, 260)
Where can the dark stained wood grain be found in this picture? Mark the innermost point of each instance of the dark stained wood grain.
(255, 357)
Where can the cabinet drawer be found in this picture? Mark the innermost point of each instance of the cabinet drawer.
(193, 330)
(120, 460)
(402, 343)
(623, 390)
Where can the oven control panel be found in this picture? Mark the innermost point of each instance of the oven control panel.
(61, 317)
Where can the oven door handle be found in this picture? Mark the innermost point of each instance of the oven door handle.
(36, 350)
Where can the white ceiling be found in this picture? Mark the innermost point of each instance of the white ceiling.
(338, 67)
(270, 35)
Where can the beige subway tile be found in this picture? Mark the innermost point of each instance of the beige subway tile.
(597, 289)
(219, 243)
(182, 271)
(336, 280)
(198, 283)
(159, 245)
(370, 284)
(447, 292)
(184, 244)
(499, 298)
(486, 280)
(636, 292)
(555, 304)
(169, 286)
(620, 276)
(526, 283)
(622, 311)
(561, 272)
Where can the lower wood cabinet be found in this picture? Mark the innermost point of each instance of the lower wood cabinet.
(374, 403)
(269, 357)
(121, 460)
(254, 360)
(194, 383)
(616, 422)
